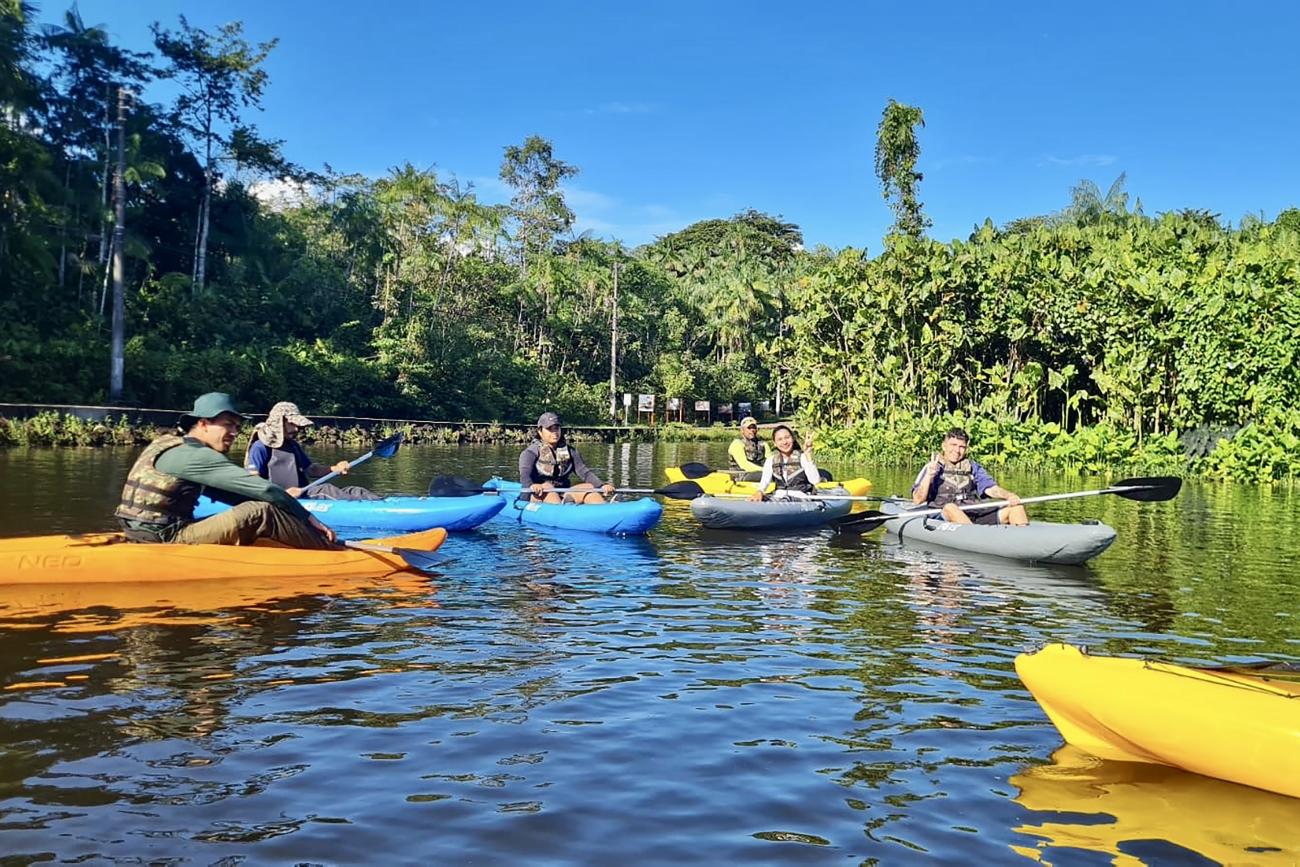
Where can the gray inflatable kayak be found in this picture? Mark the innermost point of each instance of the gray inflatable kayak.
(1039, 542)
(731, 513)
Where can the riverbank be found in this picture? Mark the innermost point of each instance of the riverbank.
(1263, 452)
(94, 427)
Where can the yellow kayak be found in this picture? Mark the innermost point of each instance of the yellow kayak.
(1240, 724)
(719, 482)
(109, 557)
(1089, 803)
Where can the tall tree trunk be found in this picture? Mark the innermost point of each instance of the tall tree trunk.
(118, 354)
(205, 209)
(613, 351)
(104, 178)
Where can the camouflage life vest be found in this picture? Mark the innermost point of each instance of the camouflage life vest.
(553, 464)
(788, 473)
(956, 483)
(151, 496)
(755, 452)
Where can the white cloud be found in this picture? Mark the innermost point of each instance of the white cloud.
(1080, 160)
(279, 194)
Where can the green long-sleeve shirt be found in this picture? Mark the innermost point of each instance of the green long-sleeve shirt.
(223, 480)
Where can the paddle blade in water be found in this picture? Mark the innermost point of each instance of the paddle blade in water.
(681, 491)
(425, 561)
(861, 522)
(388, 447)
(695, 470)
(1150, 489)
(453, 486)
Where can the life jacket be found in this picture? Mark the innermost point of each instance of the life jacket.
(755, 452)
(553, 464)
(956, 483)
(788, 473)
(282, 469)
(151, 496)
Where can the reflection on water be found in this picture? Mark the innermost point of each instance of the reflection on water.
(1151, 812)
(692, 696)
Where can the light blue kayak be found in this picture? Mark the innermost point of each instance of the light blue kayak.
(623, 517)
(392, 515)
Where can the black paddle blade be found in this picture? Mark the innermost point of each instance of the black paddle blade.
(453, 486)
(826, 475)
(1152, 489)
(681, 491)
(386, 448)
(695, 470)
(861, 522)
(422, 560)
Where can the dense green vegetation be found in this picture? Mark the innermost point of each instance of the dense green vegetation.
(1092, 338)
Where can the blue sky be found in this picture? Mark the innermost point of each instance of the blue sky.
(681, 111)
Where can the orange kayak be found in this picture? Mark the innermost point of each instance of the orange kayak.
(109, 557)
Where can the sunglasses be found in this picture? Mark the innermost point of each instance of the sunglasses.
(751, 427)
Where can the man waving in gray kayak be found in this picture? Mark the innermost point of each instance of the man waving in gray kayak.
(951, 479)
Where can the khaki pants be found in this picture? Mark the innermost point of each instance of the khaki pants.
(246, 523)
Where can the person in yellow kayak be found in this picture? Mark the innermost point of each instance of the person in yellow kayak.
(164, 484)
(275, 454)
(952, 479)
(550, 462)
(792, 469)
(747, 452)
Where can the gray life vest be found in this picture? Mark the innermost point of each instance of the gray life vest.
(553, 464)
(788, 473)
(956, 483)
(282, 469)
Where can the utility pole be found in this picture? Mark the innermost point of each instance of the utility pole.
(613, 352)
(118, 351)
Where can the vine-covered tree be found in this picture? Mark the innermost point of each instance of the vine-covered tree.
(897, 153)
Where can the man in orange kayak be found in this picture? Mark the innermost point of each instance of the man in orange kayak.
(164, 485)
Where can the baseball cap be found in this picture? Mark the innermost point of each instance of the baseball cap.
(210, 405)
(748, 420)
(547, 419)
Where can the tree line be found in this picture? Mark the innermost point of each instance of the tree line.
(406, 295)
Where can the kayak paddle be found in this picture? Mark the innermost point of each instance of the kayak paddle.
(385, 448)
(1148, 489)
(425, 561)
(456, 486)
(695, 470)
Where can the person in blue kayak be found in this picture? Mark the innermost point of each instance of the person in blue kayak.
(792, 469)
(747, 452)
(951, 479)
(164, 484)
(550, 462)
(275, 454)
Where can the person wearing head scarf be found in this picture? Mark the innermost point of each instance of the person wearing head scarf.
(276, 455)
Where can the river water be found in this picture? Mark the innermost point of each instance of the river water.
(694, 696)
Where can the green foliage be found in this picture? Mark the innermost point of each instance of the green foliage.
(897, 153)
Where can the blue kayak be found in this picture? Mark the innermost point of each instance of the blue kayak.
(392, 515)
(623, 517)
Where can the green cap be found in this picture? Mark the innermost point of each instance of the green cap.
(210, 405)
